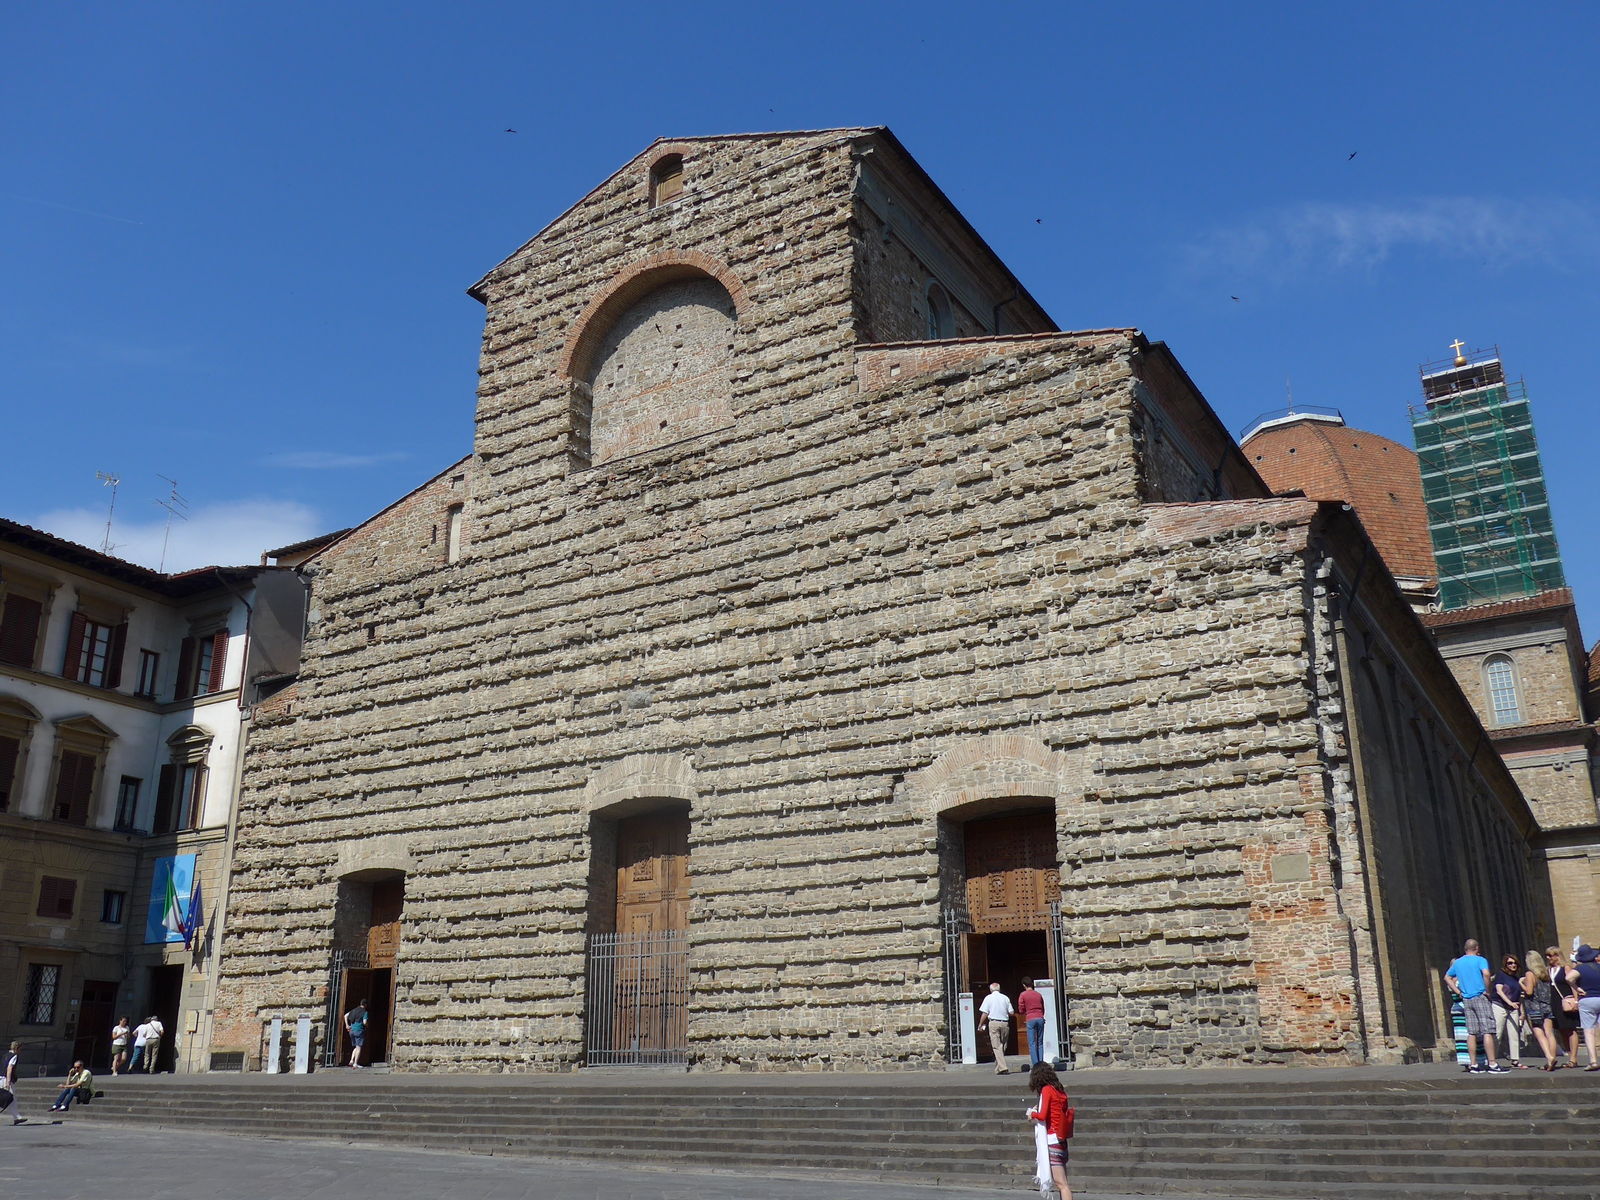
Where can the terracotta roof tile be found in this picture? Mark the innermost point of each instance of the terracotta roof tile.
(1556, 598)
(1377, 477)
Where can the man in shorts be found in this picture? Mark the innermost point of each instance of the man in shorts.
(1468, 977)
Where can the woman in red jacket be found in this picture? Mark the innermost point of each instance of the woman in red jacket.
(1050, 1110)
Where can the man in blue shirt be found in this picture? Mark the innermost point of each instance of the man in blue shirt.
(1468, 978)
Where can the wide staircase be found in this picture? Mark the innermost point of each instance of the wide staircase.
(1391, 1132)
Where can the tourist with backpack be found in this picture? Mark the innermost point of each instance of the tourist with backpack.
(1053, 1118)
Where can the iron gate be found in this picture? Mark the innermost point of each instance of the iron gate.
(1058, 957)
(956, 926)
(333, 1019)
(637, 1010)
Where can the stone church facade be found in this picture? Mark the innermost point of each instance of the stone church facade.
(815, 633)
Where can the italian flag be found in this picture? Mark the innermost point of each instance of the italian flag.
(171, 910)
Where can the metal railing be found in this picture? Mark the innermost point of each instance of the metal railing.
(637, 1008)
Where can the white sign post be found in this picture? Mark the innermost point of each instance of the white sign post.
(274, 1062)
(1052, 1019)
(302, 1046)
(969, 1029)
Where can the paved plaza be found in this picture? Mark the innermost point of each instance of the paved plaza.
(71, 1160)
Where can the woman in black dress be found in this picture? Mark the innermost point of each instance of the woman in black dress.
(1564, 1019)
(1537, 998)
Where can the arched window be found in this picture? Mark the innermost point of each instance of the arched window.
(941, 323)
(666, 179)
(660, 373)
(1502, 684)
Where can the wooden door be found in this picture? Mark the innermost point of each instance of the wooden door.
(96, 1015)
(383, 931)
(653, 874)
(1012, 873)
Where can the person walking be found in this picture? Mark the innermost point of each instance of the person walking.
(154, 1030)
(1537, 998)
(121, 1035)
(355, 1024)
(1030, 1011)
(1564, 1010)
(1586, 974)
(141, 1034)
(1468, 977)
(1052, 1111)
(8, 1082)
(996, 1009)
(1509, 1023)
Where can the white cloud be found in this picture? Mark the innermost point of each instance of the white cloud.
(1316, 238)
(231, 534)
(328, 460)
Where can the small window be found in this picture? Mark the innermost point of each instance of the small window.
(1502, 683)
(20, 618)
(10, 757)
(39, 1001)
(94, 652)
(202, 662)
(666, 179)
(452, 534)
(112, 906)
(74, 795)
(149, 664)
(127, 803)
(941, 323)
(56, 897)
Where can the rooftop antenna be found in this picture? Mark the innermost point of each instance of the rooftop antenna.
(1288, 390)
(110, 481)
(176, 506)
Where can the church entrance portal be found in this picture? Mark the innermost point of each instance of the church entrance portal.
(638, 978)
(369, 916)
(1000, 922)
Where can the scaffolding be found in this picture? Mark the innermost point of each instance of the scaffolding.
(1488, 509)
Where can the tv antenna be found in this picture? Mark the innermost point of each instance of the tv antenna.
(112, 482)
(176, 506)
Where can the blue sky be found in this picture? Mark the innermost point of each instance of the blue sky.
(239, 235)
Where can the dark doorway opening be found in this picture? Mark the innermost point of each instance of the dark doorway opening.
(166, 992)
(96, 1014)
(375, 985)
(1006, 959)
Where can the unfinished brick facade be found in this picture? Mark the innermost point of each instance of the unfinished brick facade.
(850, 600)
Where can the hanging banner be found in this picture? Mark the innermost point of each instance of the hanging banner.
(170, 889)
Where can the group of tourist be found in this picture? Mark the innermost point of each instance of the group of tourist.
(145, 1046)
(1537, 999)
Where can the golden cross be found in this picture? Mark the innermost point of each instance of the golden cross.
(1456, 346)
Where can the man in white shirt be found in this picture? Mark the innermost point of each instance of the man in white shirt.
(996, 1013)
(154, 1030)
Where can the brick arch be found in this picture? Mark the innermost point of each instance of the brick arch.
(618, 788)
(634, 281)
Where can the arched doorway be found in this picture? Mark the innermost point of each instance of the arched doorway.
(367, 927)
(1005, 882)
(638, 956)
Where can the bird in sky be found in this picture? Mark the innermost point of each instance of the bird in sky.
(1353, 153)
(511, 131)
(1235, 299)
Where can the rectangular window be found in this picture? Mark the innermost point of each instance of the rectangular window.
(127, 803)
(39, 1001)
(56, 897)
(94, 652)
(74, 787)
(149, 664)
(202, 663)
(452, 533)
(112, 905)
(19, 629)
(10, 758)
(191, 793)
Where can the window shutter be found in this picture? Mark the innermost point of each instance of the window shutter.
(185, 687)
(56, 896)
(162, 822)
(10, 751)
(119, 645)
(219, 660)
(74, 788)
(72, 668)
(197, 798)
(19, 630)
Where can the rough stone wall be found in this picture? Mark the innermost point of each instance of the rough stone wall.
(1558, 786)
(891, 293)
(894, 566)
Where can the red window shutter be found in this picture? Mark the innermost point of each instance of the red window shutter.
(185, 687)
(10, 751)
(71, 667)
(74, 788)
(19, 630)
(219, 660)
(119, 645)
(162, 823)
